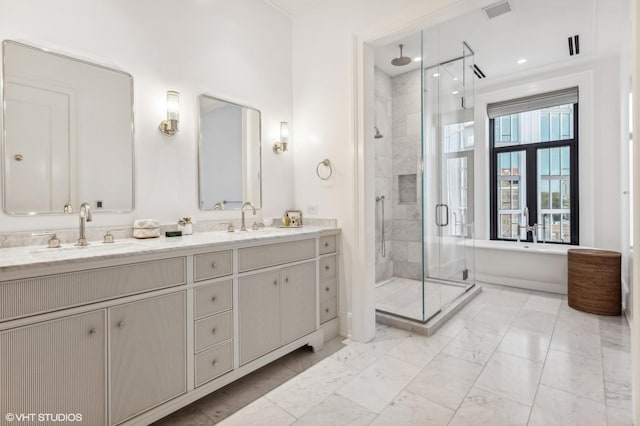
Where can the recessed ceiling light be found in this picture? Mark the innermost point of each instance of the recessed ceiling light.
(455, 78)
(522, 61)
(436, 75)
(455, 92)
(417, 59)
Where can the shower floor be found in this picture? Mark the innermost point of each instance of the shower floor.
(403, 297)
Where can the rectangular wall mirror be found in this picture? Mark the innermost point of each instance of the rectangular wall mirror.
(229, 155)
(68, 133)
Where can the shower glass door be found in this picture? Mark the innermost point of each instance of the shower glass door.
(448, 214)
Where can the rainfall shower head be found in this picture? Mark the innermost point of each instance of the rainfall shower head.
(378, 135)
(401, 61)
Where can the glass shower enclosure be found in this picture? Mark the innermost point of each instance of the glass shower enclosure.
(426, 260)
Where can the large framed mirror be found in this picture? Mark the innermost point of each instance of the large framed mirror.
(229, 150)
(68, 133)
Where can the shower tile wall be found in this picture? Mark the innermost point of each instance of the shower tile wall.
(383, 163)
(407, 226)
(397, 154)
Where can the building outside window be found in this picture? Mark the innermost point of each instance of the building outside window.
(534, 166)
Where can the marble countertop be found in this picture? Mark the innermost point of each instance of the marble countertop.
(29, 256)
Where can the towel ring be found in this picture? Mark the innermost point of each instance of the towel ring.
(325, 163)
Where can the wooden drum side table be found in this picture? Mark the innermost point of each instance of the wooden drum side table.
(594, 281)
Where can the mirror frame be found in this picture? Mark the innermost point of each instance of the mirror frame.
(200, 173)
(3, 156)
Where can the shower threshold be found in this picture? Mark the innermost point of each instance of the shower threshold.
(437, 315)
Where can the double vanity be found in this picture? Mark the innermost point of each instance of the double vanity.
(126, 333)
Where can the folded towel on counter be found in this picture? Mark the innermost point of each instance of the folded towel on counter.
(146, 228)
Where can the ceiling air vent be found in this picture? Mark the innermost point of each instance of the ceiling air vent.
(478, 72)
(497, 9)
(574, 45)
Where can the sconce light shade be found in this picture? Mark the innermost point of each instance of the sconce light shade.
(169, 126)
(282, 146)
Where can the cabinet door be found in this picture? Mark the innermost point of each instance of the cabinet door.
(148, 354)
(259, 314)
(298, 301)
(57, 366)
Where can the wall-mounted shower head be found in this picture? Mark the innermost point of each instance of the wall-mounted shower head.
(401, 61)
(378, 135)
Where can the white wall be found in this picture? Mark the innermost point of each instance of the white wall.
(237, 50)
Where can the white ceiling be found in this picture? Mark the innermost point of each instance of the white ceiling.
(285, 6)
(535, 30)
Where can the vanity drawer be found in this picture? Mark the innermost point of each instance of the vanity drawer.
(327, 267)
(251, 258)
(327, 244)
(213, 330)
(328, 288)
(213, 298)
(214, 362)
(212, 265)
(37, 295)
(328, 309)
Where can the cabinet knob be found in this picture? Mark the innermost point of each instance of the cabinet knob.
(327, 310)
(213, 331)
(327, 289)
(275, 282)
(326, 267)
(213, 265)
(92, 332)
(213, 299)
(213, 363)
(286, 280)
(326, 244)
(120, 324)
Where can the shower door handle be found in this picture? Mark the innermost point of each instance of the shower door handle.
(446, 215)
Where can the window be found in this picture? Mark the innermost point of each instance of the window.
(534, 166)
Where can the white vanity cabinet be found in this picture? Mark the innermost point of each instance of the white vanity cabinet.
(276, 307)
(328, 278)
(298, 301)
(56, 366)
(126, 339)
(213, 329)
(259, 314)
(148, 354)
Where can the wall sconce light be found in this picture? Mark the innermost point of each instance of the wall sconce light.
(280, 147)
(169, 126)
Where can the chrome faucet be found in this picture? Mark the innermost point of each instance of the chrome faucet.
(533, 228)
(85, 216)
(247, 204)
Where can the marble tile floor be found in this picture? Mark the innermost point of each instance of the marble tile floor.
(508, 358)
(403, 296)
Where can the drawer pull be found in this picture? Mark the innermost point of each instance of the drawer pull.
(213, 331)
(213, 299)
(326, 267)
(213, 265)
(92, 332)
(327, 310)
(213, 363)
(327, 289)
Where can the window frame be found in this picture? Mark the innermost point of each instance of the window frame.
(531, 179)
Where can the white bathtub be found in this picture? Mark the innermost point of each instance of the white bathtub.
(539, 266)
